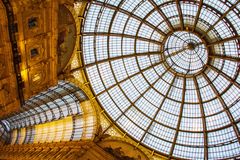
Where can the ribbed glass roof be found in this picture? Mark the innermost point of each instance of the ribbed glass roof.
(167, 72)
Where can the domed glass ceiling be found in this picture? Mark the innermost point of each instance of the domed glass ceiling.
(167, 72)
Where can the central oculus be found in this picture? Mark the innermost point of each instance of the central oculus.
(185, 53)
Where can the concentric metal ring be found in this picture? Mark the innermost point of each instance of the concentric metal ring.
(186, 53)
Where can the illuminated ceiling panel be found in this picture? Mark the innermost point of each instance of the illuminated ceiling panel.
(167, 72)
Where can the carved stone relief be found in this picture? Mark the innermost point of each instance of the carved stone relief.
(122, 150)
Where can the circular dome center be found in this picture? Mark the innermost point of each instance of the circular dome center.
(185, 53)
(191, 46)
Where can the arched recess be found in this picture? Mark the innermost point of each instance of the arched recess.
(67, 36)
(62, 113)
(123, 149)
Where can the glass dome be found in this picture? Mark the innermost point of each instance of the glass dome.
(167, 72)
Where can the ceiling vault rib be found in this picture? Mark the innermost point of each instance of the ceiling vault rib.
(162, 14)
(179, 119)
(139, 97)
(118, 84)
(180, 14)
(203, 119)
(135, 55)
(221, 18)
(159, 108)
(224, 105)
(133, 75)
(225, 57)
(233, 81)
(224, 40)
(121, 35)
(122, 57)
(198, 14)
(131, 15)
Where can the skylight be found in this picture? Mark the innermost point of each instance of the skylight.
(167, 72)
